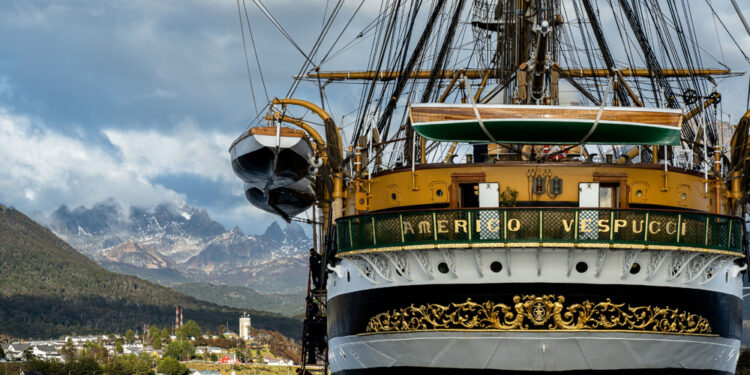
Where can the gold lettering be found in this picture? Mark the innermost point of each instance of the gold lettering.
(425, 227)
(639, 230)
(460, 224)
(478, 225)
(514, 225)
(408, 228)
(442, 226)
(674, 227)
(651, 227)
(490, 227)
(568, 226)
(620, 224)
(684, 226)
(585, 226)
(603, 225)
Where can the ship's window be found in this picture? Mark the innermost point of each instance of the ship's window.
(582, 267)
(635, 268)
(606, 196)
(393, 196)
(469, 195)
(496, 267)
(443, 267)
(439, 192)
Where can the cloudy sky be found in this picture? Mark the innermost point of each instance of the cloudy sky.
(139, 100)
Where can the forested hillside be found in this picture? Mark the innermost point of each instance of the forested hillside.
(244, 298)
(48, 289)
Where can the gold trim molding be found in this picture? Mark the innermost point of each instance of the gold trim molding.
(537, 245)
(548, 312)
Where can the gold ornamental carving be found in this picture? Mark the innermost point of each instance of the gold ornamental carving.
(548, 312)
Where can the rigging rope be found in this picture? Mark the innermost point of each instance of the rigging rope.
(599, 114)
(730, 34)
(255, 51)
(385, 117)
(280, 28)
(247, 63)
(742, 18)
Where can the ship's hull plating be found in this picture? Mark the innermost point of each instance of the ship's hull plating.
(398, 313)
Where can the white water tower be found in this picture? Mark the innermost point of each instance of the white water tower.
(245, 327)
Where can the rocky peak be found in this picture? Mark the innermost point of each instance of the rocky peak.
(200, 224)
(295, 232)
(274, 233)
(99, 219)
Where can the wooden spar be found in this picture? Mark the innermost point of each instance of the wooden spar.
(575, 84)
(481, 86)
(638, 102)
(448, 89)
(480, 73)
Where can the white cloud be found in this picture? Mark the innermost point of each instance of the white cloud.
(184, 149)
(43, 168)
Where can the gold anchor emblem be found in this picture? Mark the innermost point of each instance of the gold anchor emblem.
(539, 312)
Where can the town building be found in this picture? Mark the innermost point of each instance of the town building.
(245, 327)
(230, 358)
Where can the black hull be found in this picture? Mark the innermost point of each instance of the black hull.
(282, 201)
(257, 167)
(452, 371)
(349, 314)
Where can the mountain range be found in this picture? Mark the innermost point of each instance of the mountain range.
(172, 244)
(48, 289)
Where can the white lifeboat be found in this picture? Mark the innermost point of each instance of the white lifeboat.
(285, 201)
(269, 157)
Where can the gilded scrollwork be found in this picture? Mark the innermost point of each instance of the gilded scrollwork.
(530, 312)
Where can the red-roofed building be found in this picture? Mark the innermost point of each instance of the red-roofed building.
(229, 358)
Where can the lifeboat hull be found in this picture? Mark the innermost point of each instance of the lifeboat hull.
(267, 161)
(286, 201)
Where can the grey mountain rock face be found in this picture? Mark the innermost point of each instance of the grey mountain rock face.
(183, 239)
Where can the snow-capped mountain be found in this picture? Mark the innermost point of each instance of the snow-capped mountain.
(235, 249)
(179, 232)
(176, 238)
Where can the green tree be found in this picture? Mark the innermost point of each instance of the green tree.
(165, 335)
(129, 336)
(118, 346)
(68, 350)
(156, 338)
(170, 366)
(180, 350)
(45, 367)
(87, 365)
(130, 365)
(152, 332)
(213, 357)
(188, 330)
(2, 353)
